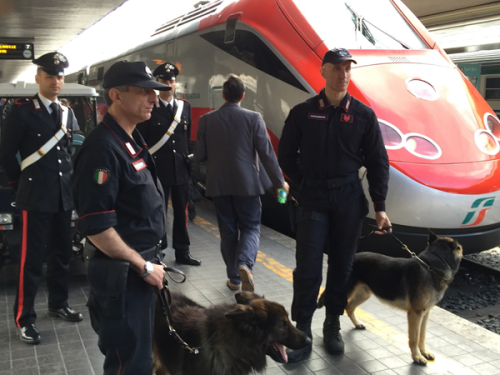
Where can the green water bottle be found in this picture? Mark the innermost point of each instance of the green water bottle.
(282, 196)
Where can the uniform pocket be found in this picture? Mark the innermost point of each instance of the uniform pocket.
(114, 307)
(108, 280)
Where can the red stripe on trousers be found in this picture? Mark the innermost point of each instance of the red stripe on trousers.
(20, 299)
(119, 360)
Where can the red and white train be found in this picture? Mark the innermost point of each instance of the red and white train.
(441, 136)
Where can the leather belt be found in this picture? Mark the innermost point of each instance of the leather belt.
(330, 183)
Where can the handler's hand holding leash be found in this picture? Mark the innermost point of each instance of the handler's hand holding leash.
(383, 223)
(156, 277)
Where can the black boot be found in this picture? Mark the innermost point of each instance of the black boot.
(300, 354)
(331, 334)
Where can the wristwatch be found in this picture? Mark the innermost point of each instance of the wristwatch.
(148, 266)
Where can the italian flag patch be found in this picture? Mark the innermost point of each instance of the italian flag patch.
(101, 176)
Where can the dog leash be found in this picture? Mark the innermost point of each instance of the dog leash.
(403, 245)
(165, 298)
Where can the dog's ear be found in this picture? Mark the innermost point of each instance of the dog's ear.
(432, 236)
(245, 298)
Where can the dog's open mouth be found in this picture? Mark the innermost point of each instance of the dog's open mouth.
(277, 352)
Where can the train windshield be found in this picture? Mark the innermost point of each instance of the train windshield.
(360, 24)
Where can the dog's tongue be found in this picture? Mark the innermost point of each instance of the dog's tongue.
(282, 351)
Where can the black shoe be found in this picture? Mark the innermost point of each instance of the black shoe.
(187, 259)
(331, 334)
(300, 354)
(29, 334)
(66, 313)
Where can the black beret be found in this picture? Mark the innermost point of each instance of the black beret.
(52, 63)
(167, 71)
(132, 74)
(337, 56)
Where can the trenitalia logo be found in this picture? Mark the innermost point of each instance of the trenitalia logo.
(480, 206)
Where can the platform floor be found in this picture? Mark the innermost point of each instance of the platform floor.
(460, 347)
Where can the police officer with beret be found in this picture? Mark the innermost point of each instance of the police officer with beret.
(121, 210)
(39, 128)
(167, 134)
(325, 141)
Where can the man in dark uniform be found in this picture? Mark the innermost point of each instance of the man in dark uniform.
(122, 213)
(39, 128)
(325, 141)
(167, 134)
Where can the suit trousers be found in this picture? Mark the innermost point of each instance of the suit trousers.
(43, 233)
(180, 200)
(124, 324)
(239, 225)
(337, 231)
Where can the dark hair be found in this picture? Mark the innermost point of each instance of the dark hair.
(109, 102)
(233, 89)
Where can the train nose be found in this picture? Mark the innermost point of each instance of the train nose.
(437, 129)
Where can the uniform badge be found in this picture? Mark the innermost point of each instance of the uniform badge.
(317, 116)
(130, 148)
(139, 164)
(148, 71)
(346, 118)
(101, 176)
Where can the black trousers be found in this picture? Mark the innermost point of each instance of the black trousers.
(180, 200)
(43, 233)
(337, 231)
(124, 325)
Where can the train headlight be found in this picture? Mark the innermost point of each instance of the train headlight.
(421, 89)
(422, 146)
(486, 142)
(493, 124)
(5, 219)
(392, 136)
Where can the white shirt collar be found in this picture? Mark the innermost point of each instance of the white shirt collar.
(47, 102)
(167, 103)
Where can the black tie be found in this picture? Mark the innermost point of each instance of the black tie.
(169, 109)
(56, 114)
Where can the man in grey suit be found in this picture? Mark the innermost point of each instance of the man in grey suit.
(234, 143)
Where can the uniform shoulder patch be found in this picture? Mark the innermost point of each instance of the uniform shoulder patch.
(101, 176)
(22, 101)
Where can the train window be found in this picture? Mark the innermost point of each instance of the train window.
(492, 89)
(100, 73)
(248, 48)
(360, 24)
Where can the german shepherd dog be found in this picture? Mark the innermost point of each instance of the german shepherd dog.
(406, 284)
(232, 339)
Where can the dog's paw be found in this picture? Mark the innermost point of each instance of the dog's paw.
(420, 360)
(359, 326)
(428, 355)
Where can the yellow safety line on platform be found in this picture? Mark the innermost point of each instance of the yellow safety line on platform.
(381, 329)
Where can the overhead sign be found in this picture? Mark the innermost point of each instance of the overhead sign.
(16, 51)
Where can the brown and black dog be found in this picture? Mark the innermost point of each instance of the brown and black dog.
(406, 284)
(233, 339)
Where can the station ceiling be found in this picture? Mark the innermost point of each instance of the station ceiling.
(54, 23)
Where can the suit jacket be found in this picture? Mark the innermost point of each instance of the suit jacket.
(44, 184)
(232, 140)
(171, 159)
